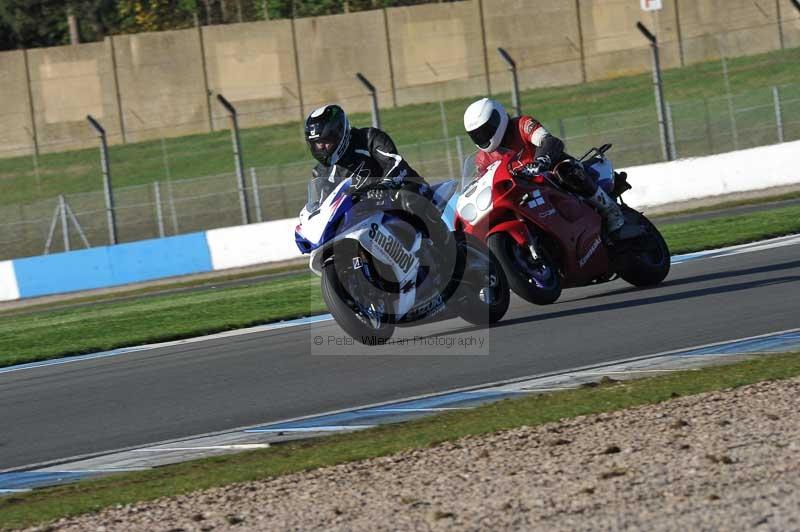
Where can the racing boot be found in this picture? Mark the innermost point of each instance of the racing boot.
(612, 214)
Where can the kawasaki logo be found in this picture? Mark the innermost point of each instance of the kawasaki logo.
(589, 253)
(392, 247)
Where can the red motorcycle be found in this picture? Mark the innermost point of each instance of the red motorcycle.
(547, 237)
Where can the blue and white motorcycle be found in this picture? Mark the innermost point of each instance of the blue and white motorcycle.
(377, 273)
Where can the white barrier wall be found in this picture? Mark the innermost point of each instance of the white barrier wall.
(9, 290)
(234, 247)
(701, 177)
(653, 184)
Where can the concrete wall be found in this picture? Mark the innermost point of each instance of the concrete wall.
(737, 27)
(411, 54)
(253, 66)
(332, 49)
(544, 58)
(162, 83)
(16, 134)
(790, 25)
(614, 47)
(68, 83)
(437, 51)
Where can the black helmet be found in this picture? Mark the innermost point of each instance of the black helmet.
(328, 134)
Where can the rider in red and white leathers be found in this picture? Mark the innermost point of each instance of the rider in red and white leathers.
(494, 132)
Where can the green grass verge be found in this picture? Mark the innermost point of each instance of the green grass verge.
(728, 231)
(209, 154)
(108, 325)
(724, 205)
(52, 503)
(104, 326)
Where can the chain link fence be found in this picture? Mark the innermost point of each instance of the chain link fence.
(172, 204)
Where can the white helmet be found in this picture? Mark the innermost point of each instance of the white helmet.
(486, 122)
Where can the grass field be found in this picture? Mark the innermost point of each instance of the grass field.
(623, 107)
(107, 325)
(47, 504)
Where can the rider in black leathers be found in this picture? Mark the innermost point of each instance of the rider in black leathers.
(369, 156)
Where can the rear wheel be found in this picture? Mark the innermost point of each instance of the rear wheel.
(534, 280)
(648, 261)
(483, 294)
(365, 322)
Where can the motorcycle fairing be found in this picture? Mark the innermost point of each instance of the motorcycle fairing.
(476, 199)
(316, 226)
(575, 225)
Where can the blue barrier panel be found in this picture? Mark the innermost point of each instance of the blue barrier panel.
(157, 258)
(112, 265)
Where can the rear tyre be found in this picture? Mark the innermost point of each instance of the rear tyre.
(367, 326)
(536, 281)
(483, 294)
(648, 262)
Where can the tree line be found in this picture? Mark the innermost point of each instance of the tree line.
(36, 23)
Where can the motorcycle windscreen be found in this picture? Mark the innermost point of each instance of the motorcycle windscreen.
(603, 174)
(318, 190)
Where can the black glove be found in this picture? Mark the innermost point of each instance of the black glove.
(542, 164)
(376, 191)
(377, 194)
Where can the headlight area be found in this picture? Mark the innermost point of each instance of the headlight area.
(484, 199)
(468, 211)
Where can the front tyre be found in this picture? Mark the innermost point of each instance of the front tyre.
(366, 326)
(648, 261)
(483, 294)
(536, 281)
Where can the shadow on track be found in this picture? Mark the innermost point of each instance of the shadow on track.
(697, 279)
(687, 294)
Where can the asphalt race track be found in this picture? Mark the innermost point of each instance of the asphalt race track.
(90, 406)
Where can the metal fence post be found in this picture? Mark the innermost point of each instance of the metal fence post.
(237, 157)
(376, 118)
(77, 225)
(35, 154)
(512, 67)
(159, 213)
(460, 155)
(726, 78)
(446, 137)
(52, 230)
(109, 192)
(709, 130)
(659, 91)
(256, 195)
(671, 132)
(776, 96)
(64, 227)
(172, 211)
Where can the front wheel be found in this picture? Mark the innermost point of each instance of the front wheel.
(536, 281)
(365, 325)
(483, 294)
(648, 260)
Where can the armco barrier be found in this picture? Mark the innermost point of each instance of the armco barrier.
(112, 265)
(233, 247)
(8, 281)
(702, 177)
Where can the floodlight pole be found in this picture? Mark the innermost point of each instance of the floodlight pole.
(237, 156)
(107, 189)
(512, 67)
(658, 85)
(376, 118)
